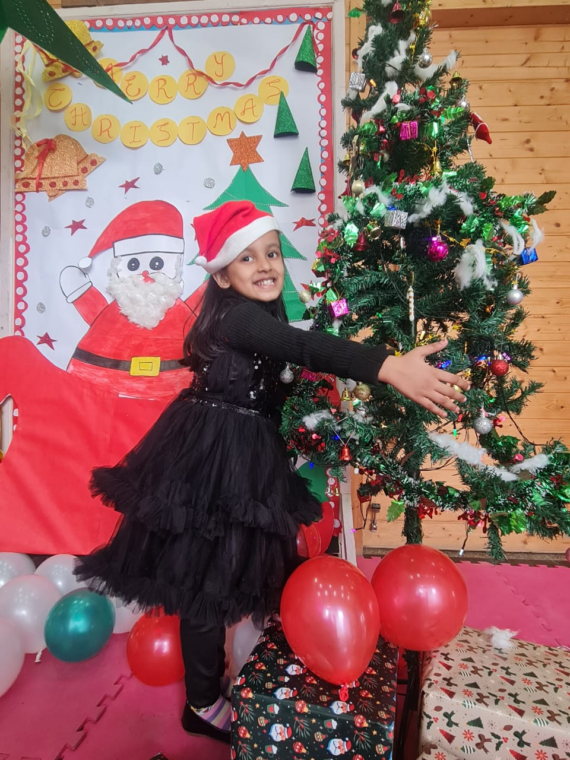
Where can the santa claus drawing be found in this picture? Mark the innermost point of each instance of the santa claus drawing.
(133, 346)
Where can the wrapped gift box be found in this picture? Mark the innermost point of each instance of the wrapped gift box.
(279, 708)
(495, 703)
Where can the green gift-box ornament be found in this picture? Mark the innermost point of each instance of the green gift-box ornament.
(39, 23)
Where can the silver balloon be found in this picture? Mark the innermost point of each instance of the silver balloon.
(126, 615)
(514, 296)
(12, 565)
(482, 425)
(287, 375)
(11, 654)
(27, 601)
(59, 570)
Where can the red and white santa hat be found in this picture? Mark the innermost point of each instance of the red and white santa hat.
(145, 227)
(227, 231)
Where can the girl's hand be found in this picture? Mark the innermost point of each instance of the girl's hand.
(422, 383)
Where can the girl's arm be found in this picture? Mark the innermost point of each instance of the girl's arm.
(249, 328)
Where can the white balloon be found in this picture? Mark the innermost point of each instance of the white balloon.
(12, 565)
(11, 654)
(26, 601)
(59, 570)
(245, 638)
(126, 615)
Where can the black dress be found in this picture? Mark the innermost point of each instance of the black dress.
(211, 502)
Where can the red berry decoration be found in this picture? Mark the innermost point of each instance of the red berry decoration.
(437, 249)
(499, 367)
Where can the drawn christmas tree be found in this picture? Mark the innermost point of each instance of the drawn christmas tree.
(246, 187)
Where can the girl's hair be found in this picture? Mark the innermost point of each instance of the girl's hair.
(204, 341)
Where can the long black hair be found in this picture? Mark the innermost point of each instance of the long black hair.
(204, 340)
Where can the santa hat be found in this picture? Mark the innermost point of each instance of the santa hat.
(227, 231)
(145, 227)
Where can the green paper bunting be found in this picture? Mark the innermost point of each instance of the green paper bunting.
(304, 182)
(39, 23)
(285, 123)
(306, 59)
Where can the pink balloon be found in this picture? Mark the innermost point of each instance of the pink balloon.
(422, 598)
(330, 618)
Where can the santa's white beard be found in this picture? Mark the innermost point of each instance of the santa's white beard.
(144, 303)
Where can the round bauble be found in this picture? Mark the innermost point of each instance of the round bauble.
(499, 367)
(286, 376)
(437, 249)
(358, 187)
(362, 392)
(463, 103)
(425, 59)
(514, 296)
(305, 296)
(482, 425)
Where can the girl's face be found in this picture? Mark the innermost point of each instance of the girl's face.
(258, 272)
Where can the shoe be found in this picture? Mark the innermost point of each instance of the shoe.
(194, 725)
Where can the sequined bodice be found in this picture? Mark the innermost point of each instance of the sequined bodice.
(250, 381)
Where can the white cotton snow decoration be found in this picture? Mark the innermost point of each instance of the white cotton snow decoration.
(532, 464)
(537, 235)
(380, 106)
(429, 71)
(464, 451)
(311, 421)
(516, 237)
(366, 49)
(501, 638)
(437, 197)
(394, 64)
(384, 198)
(473, 266)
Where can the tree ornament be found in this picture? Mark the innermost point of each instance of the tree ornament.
(499, 367)
(396, 14)
(358, 187)
(463, 103)
(438, 249)
(482, 424)
(306, 59)
(396, 219)
(357, 81)
(409, 130)
(528, 256)
(423, 18)
(355, 53)
(437, 169)
(285, 123)
(481, 129)
(338, 308)
(345, 455)
(425, 59)
(304, 182)
(305, 296)
(286, 376)
(362, 243)
(514, 296)
(456, 80)
(362, 392)
(411, 304)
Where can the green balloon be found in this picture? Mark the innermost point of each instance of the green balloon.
(79, 625)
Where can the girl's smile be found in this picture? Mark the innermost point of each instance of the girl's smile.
(258, 272)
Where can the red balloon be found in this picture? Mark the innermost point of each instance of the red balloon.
(326, 525)
(330, 618)
(154, 652)
(422, 598)
(308, 541)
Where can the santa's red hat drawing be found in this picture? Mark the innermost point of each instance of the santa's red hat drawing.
(134, 343)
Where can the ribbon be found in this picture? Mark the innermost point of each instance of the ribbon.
(47, 145)
(184, 54)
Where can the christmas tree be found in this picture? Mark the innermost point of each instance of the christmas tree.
(246, 187)
(426, 249)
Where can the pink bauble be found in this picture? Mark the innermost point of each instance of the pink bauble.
(437, 249)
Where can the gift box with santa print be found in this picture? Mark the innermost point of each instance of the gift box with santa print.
(499, 703)
(280, 708)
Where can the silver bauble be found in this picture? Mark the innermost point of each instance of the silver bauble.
(514, 296)
(358, 187)
(425, 59)
(463, 103)
(305, 296)
(482, 425)
(287, 375)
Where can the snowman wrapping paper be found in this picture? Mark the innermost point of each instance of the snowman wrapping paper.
(280, 709)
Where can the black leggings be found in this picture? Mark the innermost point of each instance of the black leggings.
(204, 659)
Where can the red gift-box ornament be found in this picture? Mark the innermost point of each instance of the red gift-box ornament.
(306, 374)
(339, 308)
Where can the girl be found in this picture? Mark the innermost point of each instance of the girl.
(211, 504)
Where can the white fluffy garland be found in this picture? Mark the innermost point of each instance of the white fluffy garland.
(429, 71)
(437, 197)
(312, 421)
(394, 64)
(380, 106)
(473, 266)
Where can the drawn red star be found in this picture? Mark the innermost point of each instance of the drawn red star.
(74, 226)
(164, 60)
(302, 222)
(130, 184)
(46, 340)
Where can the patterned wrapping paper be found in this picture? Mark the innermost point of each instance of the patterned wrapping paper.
(280, 709)
(492, 703)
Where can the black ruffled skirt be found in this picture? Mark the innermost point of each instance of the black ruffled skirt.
(211, 508)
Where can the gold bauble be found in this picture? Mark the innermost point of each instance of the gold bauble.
(305, 296)
(358, 187)
(362, 392)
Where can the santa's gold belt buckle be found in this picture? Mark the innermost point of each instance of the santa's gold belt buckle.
(145, 366)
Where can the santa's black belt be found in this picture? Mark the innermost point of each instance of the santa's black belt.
(138, 366)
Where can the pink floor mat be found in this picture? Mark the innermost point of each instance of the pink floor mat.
(97, 711)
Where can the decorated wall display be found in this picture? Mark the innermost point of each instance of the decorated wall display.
(224, 106)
